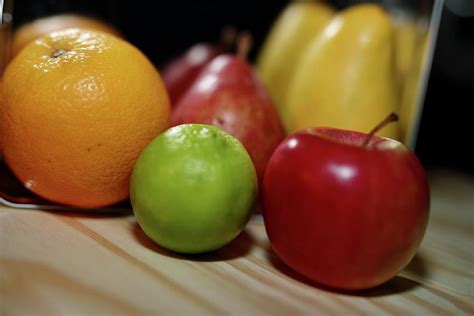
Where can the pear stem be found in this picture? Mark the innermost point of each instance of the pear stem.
(228, 36)
(392, 117)
(244, 44)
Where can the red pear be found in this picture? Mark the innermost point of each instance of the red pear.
(179, 74)
(229, 95)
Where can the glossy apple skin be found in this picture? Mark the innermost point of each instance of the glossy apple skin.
(180, 73)
(344, 216)
(229, 95)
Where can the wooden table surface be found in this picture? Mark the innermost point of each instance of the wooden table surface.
(57, 263)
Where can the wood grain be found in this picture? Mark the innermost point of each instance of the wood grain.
(58, 263)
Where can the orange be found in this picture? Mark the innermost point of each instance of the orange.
(78, 108)
(30, 31)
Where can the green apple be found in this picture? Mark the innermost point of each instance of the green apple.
(193, 188)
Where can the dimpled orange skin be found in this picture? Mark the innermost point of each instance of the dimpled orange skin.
(30, 31)
(78, 108)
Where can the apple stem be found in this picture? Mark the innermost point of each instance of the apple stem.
(392, 117)
(244, 44)
(228, 35)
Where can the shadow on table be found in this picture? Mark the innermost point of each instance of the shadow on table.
(396, 285)
(238, 247)
(98, 214)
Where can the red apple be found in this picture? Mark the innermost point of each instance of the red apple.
(343, 213)
(179, 74)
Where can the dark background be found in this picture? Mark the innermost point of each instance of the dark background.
(163, 29)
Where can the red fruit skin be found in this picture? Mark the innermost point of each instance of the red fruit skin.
(180, 73)
(342, 215)
(229, 95)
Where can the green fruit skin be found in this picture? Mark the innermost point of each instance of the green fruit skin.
(193, 188)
